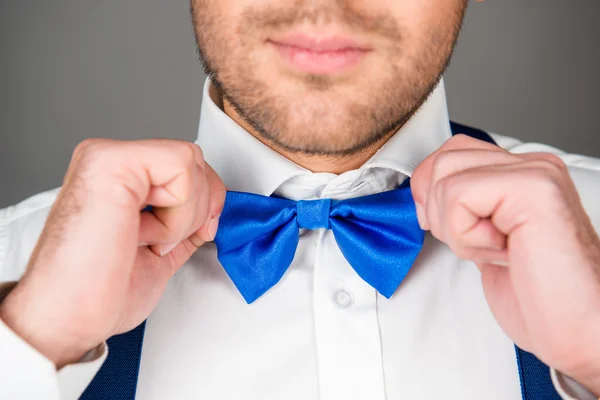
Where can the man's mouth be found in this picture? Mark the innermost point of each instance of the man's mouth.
(319, 55)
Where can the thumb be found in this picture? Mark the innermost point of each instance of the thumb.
(217, 193)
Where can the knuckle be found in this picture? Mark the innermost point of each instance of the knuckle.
(91, 152)
(446, 190)
(463, 141)
(82, 151)
(191, 154)
(441, 163)
(442, 159)
(98, 165)
(189, 150)
(460, 138)
(544, 182)
(93, 145)
(85, 145)
(184, 154)
(550, 163)
(555, 162)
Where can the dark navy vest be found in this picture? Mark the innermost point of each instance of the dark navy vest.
(117, 379)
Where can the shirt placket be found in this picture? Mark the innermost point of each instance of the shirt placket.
(346, 328)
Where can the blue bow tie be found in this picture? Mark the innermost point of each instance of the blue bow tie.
(379, 236)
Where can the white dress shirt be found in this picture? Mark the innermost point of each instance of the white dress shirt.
(321, 332)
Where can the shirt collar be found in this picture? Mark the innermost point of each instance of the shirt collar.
(246, 164)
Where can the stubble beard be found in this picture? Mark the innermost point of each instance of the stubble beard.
(332, 126)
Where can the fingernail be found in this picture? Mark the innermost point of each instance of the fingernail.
(167, 248)
(213, 225)
(500, 263)
(421, 215)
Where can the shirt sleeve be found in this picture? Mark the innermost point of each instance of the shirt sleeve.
(24, 372)
(569, 389)
(27, 374)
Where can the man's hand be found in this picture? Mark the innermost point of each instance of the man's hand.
(101, 265)
(520, 219)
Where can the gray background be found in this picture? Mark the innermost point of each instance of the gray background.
(72, 69)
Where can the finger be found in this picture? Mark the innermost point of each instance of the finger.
(452, 162)
(110, 181)
(201, 229)
(165, 266)
(175, 224)
(458, 161)
(170, 222)
(180, 180)
(169, 225)
(483, 234)
(138, 173)
(184, 250)
(465, 211)
(505, 195)
(422, 176)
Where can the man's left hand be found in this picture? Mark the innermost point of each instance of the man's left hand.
(520, 219)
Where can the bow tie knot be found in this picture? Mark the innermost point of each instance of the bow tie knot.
(313, 214)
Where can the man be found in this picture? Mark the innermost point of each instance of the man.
(310, 101)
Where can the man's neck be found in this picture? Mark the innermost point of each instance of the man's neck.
(314, 163)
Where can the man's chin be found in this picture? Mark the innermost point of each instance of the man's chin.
(320, 136)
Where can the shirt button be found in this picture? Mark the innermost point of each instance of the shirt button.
(343, 299)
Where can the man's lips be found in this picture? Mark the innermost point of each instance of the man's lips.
(326, 55)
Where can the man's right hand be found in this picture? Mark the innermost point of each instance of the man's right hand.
(100, 265)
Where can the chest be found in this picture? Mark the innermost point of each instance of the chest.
(323, 333)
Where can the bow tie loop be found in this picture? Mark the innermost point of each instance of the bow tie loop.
(313, 214)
